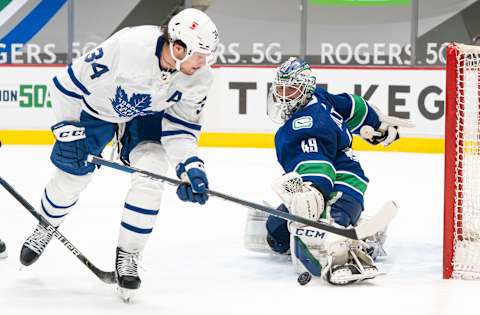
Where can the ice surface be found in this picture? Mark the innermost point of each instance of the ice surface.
(195, 261)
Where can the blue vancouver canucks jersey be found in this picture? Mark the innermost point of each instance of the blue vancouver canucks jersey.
(316, 142)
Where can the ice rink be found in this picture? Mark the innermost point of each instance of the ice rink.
(195, 262)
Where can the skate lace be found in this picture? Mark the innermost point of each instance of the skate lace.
(127, 263)
(39, 239)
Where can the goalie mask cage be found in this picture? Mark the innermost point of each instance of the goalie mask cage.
(461, 247)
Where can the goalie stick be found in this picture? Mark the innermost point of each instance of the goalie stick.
(106, 276)
(363, 230)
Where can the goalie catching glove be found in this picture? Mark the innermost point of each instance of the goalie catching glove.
(387, 132)
(301, 198)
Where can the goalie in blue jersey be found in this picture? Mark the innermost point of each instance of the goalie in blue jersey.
(323, 179)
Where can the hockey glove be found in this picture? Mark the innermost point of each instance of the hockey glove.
(301, 198)
(195, 182)
(387, 132)
(71, 149)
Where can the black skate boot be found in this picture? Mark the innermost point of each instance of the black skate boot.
(34, 245)
(3, 249)
(126, 266)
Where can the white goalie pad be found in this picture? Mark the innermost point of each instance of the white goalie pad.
(340, 261)
(354, 265)
(255, 236)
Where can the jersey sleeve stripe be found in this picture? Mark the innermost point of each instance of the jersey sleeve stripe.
(360, 112)
(182, 122)
(62, 89)
(89, 107)
(316, 168)
(351, 180)
(310, 177)
(75, 81)
(352, 111)
(140, 210)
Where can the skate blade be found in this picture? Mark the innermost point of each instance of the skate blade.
(125, 294)
(3, 255)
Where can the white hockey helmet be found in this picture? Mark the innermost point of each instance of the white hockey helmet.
(197, 31)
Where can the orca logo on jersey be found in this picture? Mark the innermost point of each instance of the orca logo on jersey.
(302, 122)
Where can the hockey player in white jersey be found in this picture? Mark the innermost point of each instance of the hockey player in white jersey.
(148, 87)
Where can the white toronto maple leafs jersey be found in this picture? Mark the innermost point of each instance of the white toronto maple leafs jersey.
(122, 79)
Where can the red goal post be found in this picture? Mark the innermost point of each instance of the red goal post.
(461, 246)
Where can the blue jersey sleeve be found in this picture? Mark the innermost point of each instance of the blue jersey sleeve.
(356, 111)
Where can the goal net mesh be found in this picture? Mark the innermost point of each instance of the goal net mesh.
(465, 255)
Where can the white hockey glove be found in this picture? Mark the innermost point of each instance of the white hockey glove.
(301, 198)
(387, 133)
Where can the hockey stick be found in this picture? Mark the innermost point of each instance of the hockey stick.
(105, 276)
(370, 227)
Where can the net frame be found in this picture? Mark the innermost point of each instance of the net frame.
(461, 247)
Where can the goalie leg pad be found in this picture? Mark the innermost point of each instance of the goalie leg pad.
(278, 235)
(358, 267)
(255, 237)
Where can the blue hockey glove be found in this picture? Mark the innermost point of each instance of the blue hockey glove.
(195, 182)
(71, 149)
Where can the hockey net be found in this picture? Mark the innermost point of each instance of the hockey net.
(461, 258)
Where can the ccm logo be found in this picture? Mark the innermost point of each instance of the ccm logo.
(71, 133)
(310, 233)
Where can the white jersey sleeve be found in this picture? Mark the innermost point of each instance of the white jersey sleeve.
(182, 122)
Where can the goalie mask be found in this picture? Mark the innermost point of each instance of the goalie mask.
(291, 90)
(197, 31)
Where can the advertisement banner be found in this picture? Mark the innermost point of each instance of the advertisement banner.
(237, 103)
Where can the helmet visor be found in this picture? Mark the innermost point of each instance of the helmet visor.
(275, 109)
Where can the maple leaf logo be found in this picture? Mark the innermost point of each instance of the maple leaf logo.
(137, 105)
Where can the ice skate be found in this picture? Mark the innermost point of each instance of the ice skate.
(128, 281)
(35, 245)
